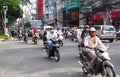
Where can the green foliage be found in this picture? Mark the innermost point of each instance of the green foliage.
(1, 35)
(14, 11)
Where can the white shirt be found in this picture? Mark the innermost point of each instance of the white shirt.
(79, 32)
(59, 32)
(98, 44)
(51, 36)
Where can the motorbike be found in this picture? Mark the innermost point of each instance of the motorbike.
(20, 37)
(35, 38)
(65, 35)
(26, 37)
(54, 50)
(60, 40)
(102, 64)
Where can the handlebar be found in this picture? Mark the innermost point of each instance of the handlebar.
(97, 49)
(53, 39)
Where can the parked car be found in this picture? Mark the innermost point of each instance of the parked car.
(106, 32)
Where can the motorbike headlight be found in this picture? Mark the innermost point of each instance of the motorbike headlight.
(106, 55)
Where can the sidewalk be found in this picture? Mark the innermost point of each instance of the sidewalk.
(10, 39)
(1, 39)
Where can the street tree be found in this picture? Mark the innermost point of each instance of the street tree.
(14, 11)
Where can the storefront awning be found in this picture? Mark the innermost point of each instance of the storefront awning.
(115, 15)
(97, 17)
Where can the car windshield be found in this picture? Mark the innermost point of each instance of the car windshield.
(97, 27)
(108, 28)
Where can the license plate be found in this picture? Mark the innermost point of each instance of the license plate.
(109, 33)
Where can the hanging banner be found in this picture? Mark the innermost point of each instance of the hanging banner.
(39, 9)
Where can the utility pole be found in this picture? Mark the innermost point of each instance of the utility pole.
(106, 12)
(55, 13)
(5, 8)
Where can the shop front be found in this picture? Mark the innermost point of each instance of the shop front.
(114, 17)
(72, 13)
(97, 19)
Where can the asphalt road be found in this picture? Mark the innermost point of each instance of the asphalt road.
(19, 59)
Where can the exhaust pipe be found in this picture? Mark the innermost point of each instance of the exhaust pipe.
(80, 63)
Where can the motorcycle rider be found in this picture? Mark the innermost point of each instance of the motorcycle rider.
(91, 42)
(35, 32)
(46, 31)
(59, 32)
(51, 36)
(83, 35)
(20, 33)
(25, 31)
(59, 35)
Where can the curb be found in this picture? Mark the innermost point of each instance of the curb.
(1, 39)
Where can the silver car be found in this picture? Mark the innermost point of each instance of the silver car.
(105, 32)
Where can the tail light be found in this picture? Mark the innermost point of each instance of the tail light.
(102, 33)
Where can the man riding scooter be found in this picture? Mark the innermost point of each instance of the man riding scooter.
(50, 36)
(35, 34)
(91, 42)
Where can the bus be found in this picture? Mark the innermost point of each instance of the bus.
(36, 24)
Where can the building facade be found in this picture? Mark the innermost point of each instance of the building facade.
(39, 9)
(52, 12)
(102, 11)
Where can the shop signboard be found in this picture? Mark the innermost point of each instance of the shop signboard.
(40, 9)
(86, 9)
(71, 4)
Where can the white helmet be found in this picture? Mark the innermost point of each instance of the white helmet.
(92, 29)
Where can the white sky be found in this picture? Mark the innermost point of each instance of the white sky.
(27, 10)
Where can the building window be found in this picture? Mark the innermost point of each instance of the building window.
(47, 16)
(47, 8)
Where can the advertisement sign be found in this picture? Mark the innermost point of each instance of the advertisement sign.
(75, 15)
(71, 4)
(39, 9)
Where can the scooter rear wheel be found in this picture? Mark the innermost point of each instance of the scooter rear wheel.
(35, 40)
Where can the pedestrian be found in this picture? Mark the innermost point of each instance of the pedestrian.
(12, 32)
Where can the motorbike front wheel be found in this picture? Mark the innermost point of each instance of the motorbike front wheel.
(20, 38)
(108, 72)
(56, 54)
(25, 39)
(35, 40)
(84, 70)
